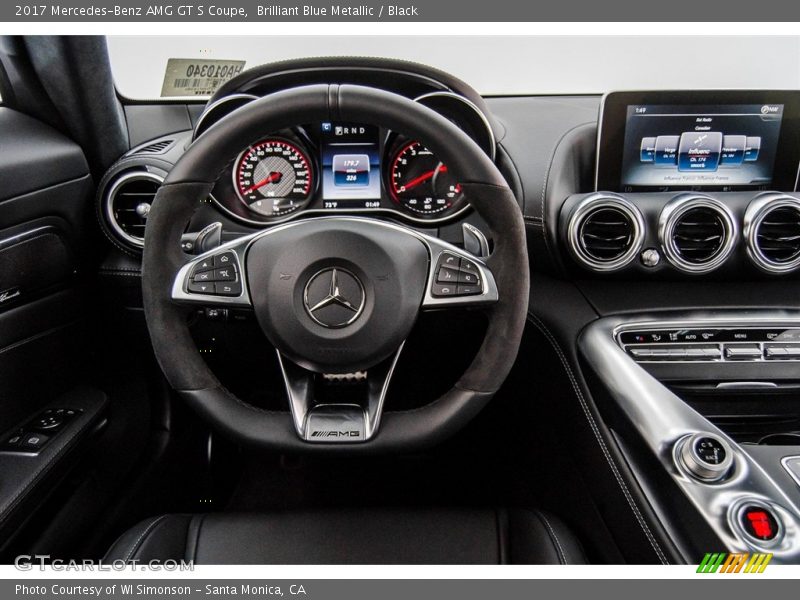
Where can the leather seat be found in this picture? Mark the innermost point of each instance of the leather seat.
(371, 536)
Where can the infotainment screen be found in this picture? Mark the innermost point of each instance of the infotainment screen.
(681, 144)
(721, 146)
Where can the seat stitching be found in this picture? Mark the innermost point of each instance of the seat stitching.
(561, 554)
(202, 520)
(145, 533)
(504, 545)
(599, 437)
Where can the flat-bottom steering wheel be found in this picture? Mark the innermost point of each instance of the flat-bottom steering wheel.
(335, 295)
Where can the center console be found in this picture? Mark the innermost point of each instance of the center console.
(695, 207)
(655, 368)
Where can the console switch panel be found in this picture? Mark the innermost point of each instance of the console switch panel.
(722, 344)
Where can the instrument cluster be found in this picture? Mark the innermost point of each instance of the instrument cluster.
(346, 167)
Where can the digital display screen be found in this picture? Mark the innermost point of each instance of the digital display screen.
(350, 164)
(721, 147)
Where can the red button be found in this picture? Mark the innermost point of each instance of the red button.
(759, 523)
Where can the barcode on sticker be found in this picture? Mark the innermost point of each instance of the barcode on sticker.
(196, 77)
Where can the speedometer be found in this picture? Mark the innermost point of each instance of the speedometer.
(273, 178)
(420, 183)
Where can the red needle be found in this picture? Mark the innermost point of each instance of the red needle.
(274, 176)
(424, 177)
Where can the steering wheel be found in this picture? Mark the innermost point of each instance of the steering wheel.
(335, 295)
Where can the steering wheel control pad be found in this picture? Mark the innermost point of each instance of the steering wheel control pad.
(337, 296)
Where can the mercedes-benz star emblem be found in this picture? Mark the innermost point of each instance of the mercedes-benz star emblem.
(334, 297)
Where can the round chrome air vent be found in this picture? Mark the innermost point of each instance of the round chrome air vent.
(127, 204)
(605, 232)
(772, 232)
(697, 233)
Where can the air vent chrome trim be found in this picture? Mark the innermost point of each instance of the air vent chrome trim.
(108, 203)
(596, 202)
(754, 216)
(670, 216)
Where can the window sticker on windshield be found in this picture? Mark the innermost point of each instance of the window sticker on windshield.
(197, 77)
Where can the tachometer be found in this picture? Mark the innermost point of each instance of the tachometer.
(273, 178)
(420, 183)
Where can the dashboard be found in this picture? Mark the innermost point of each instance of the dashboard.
(654, 185)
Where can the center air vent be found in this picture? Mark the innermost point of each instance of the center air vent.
(605, 232)
(127, 205)
(772, 231)
(697, 233)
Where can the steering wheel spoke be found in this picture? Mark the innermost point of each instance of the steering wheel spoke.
(215, 278)
(337, 408)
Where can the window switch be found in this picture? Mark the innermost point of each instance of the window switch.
(33, 442)
(12, 443)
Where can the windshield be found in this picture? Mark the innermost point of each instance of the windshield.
(494, 65)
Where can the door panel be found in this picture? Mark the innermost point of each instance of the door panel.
(46, 196)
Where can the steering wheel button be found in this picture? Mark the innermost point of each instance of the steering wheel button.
(470, 278)
(205, 276)
(225, 274)
(204, 265)
(468, 290)
(468, 266)
(201, 288)
(447, 275)
(234, 288)
(226, 258)
(449, 260)
(439, 289)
